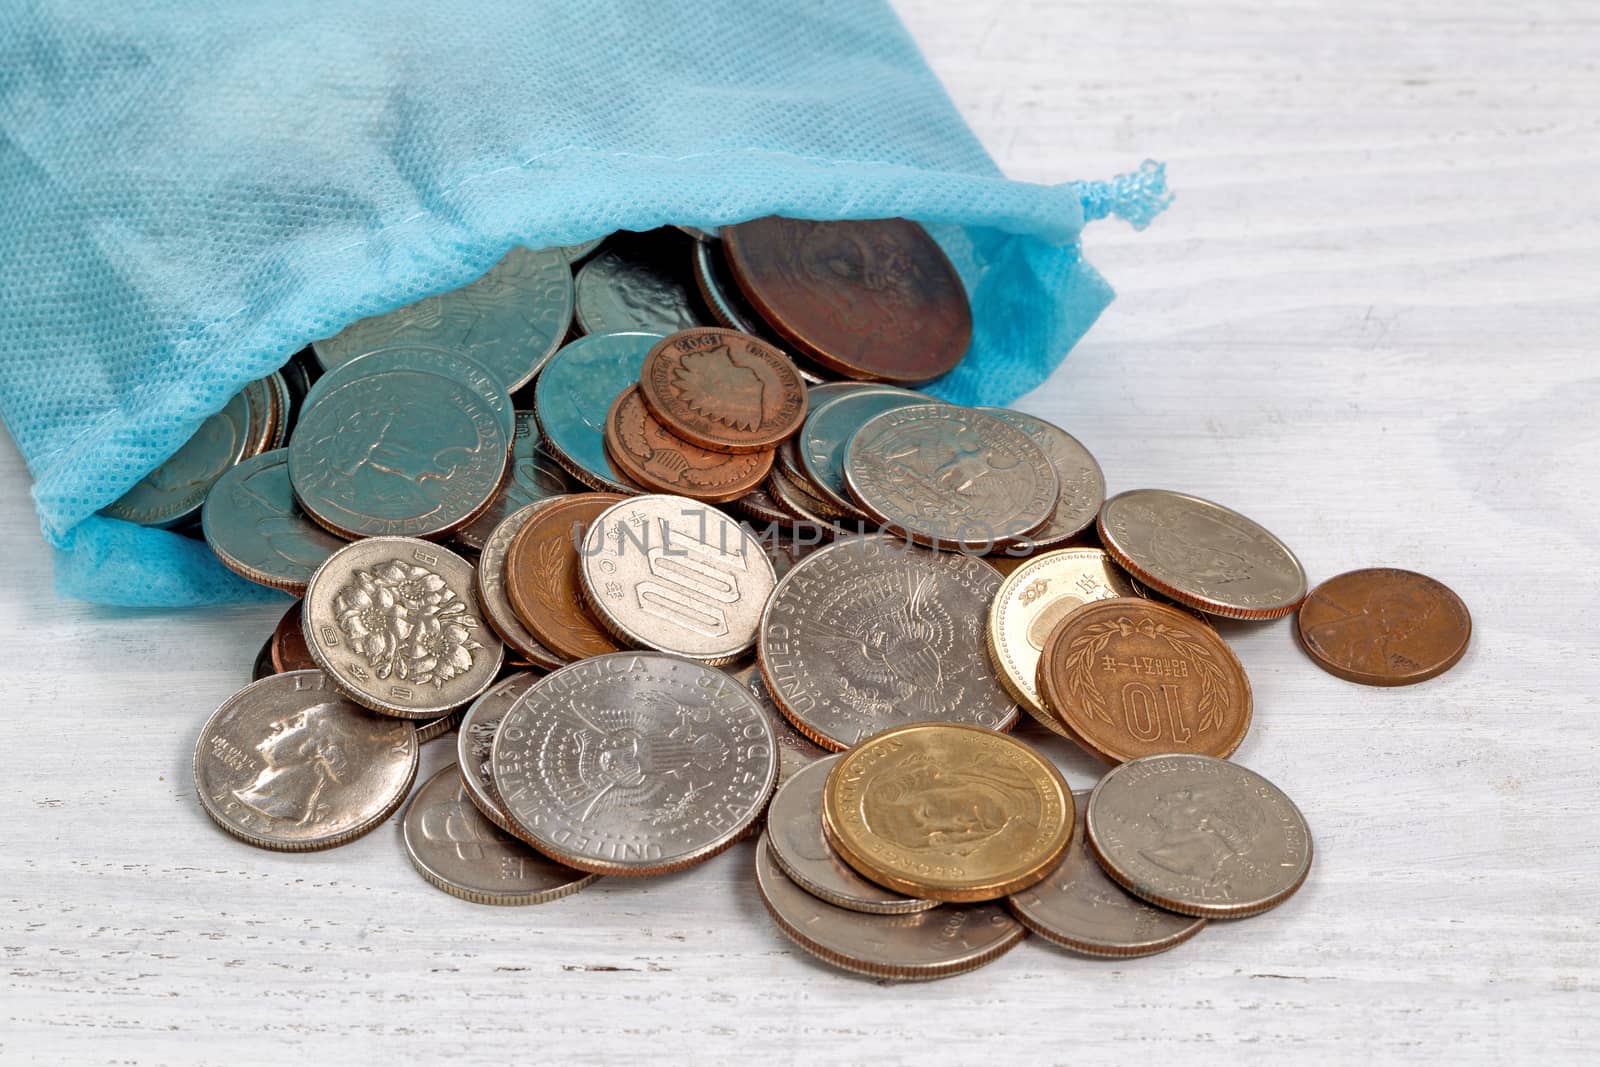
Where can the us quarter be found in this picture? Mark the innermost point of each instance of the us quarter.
(533, 475)
(870, 633)
(395, 622)
(639, 284)
(573, 396)
(1198, 835)
(1083, 484)
(252, 523)
(675, 575)
(288, 763)
(426, 359)
(821, 442)
(173, 493)
(634, 763)
(475, 741)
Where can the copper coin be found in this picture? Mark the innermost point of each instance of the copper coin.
(542, 580)
(1384, 626)
(1131, 677)
(654, 457)
(289, 651)
(723, 390)
(871, 299)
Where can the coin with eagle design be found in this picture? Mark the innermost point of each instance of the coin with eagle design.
(723, 390)
(872, 632)
(634, 763)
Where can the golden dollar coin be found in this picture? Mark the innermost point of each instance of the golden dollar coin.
(948, 811)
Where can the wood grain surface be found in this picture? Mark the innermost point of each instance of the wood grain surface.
(1369, 321)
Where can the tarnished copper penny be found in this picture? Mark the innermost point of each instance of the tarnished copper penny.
(289, 651)
(1384, 626)
(1132, 678)
(870, 299)
(660, 461)
(542, 580)
(723, 390)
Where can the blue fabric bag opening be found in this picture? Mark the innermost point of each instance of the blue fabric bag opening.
(188, 197)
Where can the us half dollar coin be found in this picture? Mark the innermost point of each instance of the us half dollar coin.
(288, 763)
(871, 632)
(1198, 835)
(634, 763)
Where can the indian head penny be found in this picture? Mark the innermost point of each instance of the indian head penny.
(937, 943)
(950, 477)
(533, 475)
(252, 523)
(678, 576)
(395, 622)
(1202, 554)
(1083, 485)
(457, 850)
(542, 579)
(1078, 907)
(573, 395)
(173, 493)
(1384, 626)
(490, 577)
(870, 633)
(634, 763)
(475, 742)
(1198, 835)
(664, 463)
(288, 763)
(723, 390)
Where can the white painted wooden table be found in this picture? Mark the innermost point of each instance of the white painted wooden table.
(1369, 320)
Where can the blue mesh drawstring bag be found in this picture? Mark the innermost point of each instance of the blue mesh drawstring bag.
(188, 196)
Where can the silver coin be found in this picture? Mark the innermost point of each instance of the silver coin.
(395, 622)
(634, 763)
(510, 320)
(459, 851)
(533, 475)
(397, 453)
(937, 943)
(253, 524)
(821, 442)
(800, 846)
(288, 763)
(491, 586)
(871, 632)
(429, 359)
(475, 741)
(1080, 908)
(1198, 835)
(282, 406)
(717, 290)
(950, 476)
(1202, 554)
(581, 251)
(641, 284)
(1083, 484)
(676, 575)
(173, 493)
(434, 729)
(795, 750)
(573, 396)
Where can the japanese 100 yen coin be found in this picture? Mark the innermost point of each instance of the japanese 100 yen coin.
(937, 943)
(533, 474)
(950, 477)
(1079, 907)
(660, 461)
(799, 846)
(1032, 599)
(677, 576)
(397, 453)
(723, 390)
(395, 622)
(871, 632)
(872, 299)
(641, 282)
(828, 428)
(490, 576)
(575, 392)
(634, 763)
(173, 493)
(949, 811)
(1083, 484)
(1198, 835)
(509, 321)
(1384, 626)
(255, 527)
(1202, 554)
(542, 580)
(475, 743)
(287, 763)
(457, 850)
(1131, 677)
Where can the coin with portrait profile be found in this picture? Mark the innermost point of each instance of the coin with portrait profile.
(395, 622)
(1384, 626)
(174, 492)
(723, 390)
(542, 576)
(638, 282)
(658, 460)
(1083, 484)
(948, 811)
(457, 850)
(837, 415)
(426, 359)
(1198, 835)
(573, 395)
(490, 578)
(532, 474)
(288, 763)
(253, 524)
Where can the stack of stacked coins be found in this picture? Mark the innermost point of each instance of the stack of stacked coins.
(681, 557)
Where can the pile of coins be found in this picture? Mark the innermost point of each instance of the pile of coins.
(659, 530)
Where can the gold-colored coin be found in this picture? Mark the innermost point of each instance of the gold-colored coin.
(1033, 598)
(948, 811)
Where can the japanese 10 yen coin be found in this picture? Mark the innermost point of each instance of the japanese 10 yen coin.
(634, 763)
(288, 763)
